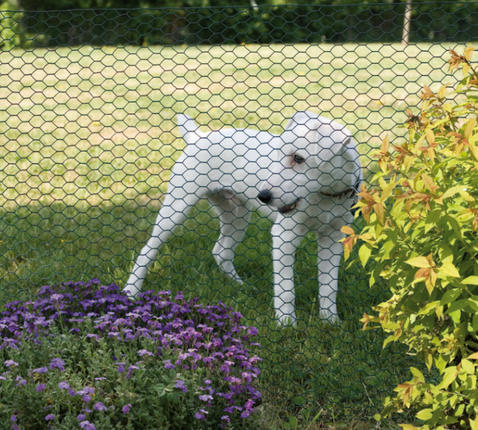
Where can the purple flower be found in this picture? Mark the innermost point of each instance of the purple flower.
(181, 385)
(201, 414)
(50, 417)
(63, 385)
(86, 425)
(20, 381)
(86, 394)
(143, 352)
(121, 368)
(131, 369)
(56, 297)
(219, 344)
(99, 406)
(168, 364)
(57, 363)
(205, 397)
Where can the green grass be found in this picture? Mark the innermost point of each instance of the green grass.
(87, 141)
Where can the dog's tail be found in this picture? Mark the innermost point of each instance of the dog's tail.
(188, 128)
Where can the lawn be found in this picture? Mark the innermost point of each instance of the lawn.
(87, 141)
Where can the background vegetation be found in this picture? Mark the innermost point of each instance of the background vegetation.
(192, 22)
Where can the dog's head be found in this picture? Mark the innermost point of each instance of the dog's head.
(313, 155)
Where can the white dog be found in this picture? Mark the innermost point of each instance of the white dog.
(308, 178)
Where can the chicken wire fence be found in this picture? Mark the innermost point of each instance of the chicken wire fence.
(89, 136)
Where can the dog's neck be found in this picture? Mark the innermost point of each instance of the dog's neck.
(348, 192)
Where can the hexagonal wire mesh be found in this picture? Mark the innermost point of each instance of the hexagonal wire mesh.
(89, 136)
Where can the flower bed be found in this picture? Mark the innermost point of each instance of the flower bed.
(85, 356)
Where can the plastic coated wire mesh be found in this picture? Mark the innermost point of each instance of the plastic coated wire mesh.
(89, 137)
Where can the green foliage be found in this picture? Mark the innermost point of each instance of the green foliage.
(421, 232)
(10, 31)
(142, 22)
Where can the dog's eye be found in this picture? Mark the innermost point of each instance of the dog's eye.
(298, 159)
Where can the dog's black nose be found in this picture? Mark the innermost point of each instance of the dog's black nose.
(265, 196)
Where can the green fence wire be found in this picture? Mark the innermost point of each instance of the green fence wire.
(89, 136)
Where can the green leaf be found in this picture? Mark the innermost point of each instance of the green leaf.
(450, 296)
(425, 414)
(364, 254)
(417, 374)
(470, 280)
(455, 315)
(467, 366)
(449, 375)
(448, 269)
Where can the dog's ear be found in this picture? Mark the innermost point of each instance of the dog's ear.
(188, 128)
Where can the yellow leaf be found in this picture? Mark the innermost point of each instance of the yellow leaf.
(473, 356)
(428, 181)
(474, 151)
(465, 195)
(431, 281)
(422, 262)
(430, 135)
(385, 145)
(442, 92)
(380, 211)
(474, 423)
(347, 230)
(468, 52)
(408, 427)
(468, 128)
(427, 93)
(453, 190)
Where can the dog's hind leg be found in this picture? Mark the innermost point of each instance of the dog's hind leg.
(173, 212)
(234, 218)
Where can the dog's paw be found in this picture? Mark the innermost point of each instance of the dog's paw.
(329, 317)
(131, 291)
(287, 320)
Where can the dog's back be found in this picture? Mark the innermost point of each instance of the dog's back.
(231, 159)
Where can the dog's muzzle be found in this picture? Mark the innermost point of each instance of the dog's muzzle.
(265, 196)
(288, 208)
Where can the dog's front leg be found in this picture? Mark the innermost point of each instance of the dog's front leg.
(329, 255)
(286, 237)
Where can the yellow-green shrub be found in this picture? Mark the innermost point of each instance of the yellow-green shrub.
(421, 233)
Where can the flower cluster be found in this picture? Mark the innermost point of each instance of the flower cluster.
(177, 347)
